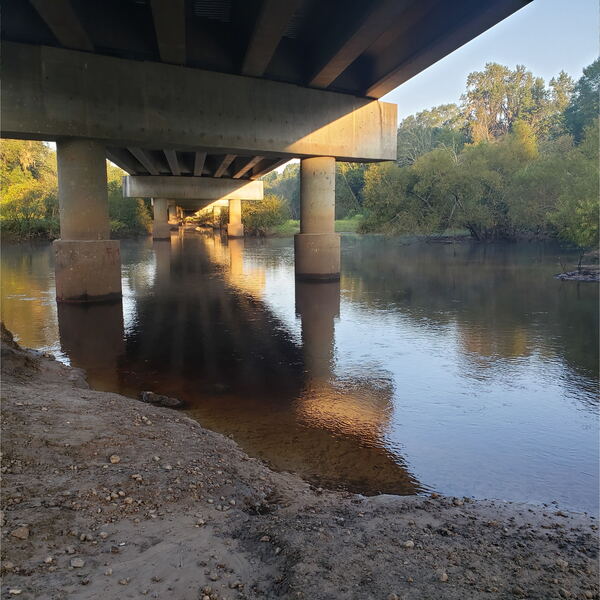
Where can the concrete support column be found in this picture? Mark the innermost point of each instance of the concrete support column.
(317, 246)
(87, 263)
(172, 213)
(235, 227)
(217, 217)
(160, 226)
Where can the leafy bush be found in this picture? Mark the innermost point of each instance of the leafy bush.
(259, 217)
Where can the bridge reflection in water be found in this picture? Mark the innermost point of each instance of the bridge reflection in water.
(203, 333)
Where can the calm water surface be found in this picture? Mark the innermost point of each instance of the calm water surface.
(459, 368)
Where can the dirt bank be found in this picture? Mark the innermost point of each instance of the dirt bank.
(107, 497)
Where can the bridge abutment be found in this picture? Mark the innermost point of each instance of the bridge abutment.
(87, 263)
(317, 246)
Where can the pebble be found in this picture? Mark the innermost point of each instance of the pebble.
(77, 563)
(124, 581)
(103, 535)
(393, 597)
(128, 500)
(409, 544)
(21, 533)
(114, 459)
(15, 591)
(108, 571)
(563, 565)
(48, 559)
(70, 549)
(444, 577)
(265, 538)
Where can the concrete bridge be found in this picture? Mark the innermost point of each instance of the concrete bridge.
(198, 99)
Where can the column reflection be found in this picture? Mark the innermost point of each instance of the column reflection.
(92, 336)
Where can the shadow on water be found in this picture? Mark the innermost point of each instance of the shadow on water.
(206, 336)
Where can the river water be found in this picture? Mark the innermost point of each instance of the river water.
(459, 368)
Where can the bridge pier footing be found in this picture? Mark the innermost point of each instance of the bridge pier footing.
(317, 246)
(235, 229)
(87, 263)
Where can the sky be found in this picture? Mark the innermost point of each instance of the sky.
(546, 36)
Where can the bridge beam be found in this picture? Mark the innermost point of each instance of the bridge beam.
(49, 93)
(317, 246)
(191, 188)
(87, 261)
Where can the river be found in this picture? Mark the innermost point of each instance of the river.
(460, 368)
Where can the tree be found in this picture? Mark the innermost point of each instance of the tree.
(286, 185)
(497, 97)
(421, 133)
(584, 105)
(28, 186)
(577, 210)
(128, 216)
(259, 217)
(349, 183)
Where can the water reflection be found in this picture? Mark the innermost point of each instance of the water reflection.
(92, 336)
(461, 368)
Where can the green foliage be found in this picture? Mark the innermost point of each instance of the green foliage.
(287, 186)
(440, 126)
(29, 194)
(498, 97)
(261, 216)
(577, 210)
(28, 187)
(584, 105)
(349, 183)
(129, 217)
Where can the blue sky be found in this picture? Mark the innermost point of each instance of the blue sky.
(546, 36)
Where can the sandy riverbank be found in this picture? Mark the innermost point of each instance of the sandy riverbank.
(181, 512)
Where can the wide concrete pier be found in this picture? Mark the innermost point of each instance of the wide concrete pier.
(87, 262)
(317, 246)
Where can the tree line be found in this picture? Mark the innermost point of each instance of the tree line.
(516, 158)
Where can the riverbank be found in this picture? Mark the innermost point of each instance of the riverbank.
(105, 496)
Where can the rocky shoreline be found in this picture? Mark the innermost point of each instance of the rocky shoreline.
(592, 275)
(108, 497)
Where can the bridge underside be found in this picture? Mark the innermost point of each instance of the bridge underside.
(215, 90)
